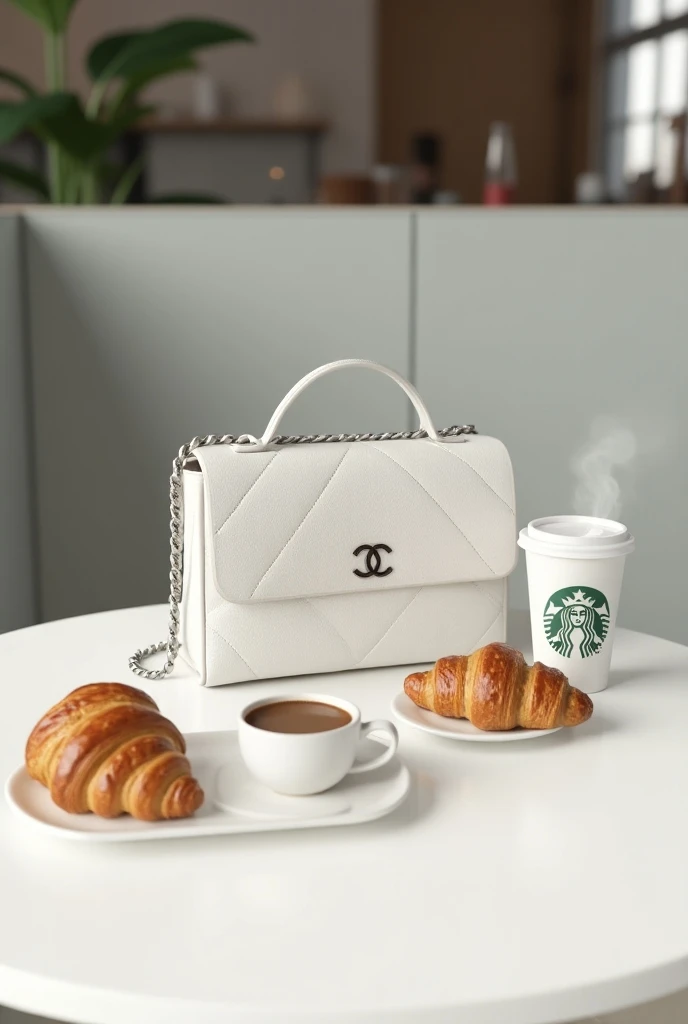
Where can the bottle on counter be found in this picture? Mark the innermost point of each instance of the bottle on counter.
(293, 100)
(589, 188)
(425, 168)
(500, 166)
(207, 103)
(388, 184)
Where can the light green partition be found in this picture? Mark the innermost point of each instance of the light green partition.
(17, 598)
(151, 326)
(534, 323)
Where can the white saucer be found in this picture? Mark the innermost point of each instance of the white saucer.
(457, 728)
(234, 801)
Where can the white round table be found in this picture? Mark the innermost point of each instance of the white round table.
(520, 883)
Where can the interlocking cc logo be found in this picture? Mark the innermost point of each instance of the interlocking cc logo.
(373, 560)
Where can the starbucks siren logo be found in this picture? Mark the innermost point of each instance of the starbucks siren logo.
(577, 621)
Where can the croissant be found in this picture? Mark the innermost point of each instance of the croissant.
(106, 748)
(495, 689)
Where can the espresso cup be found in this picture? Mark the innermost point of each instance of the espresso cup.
(307, 743)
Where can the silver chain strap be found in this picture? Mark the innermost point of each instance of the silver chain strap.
(171, 645)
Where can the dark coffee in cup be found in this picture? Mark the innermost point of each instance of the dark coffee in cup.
(298, 716)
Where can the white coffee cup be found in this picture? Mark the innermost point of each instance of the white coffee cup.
(303, 763)
(575, 568)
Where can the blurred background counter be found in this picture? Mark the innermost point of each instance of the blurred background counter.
(368, 100)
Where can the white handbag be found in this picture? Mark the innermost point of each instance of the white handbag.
(298, 557)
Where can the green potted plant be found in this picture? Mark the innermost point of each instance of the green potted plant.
(79, 137)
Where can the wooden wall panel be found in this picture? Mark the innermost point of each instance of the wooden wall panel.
(452, 66)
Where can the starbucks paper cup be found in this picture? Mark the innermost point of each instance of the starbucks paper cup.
(575, 568)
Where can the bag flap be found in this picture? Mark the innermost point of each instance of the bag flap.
(319, 519)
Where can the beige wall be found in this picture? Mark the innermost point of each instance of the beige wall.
(330, 42)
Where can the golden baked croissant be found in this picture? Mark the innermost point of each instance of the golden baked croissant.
(106, 748)
(495, 689)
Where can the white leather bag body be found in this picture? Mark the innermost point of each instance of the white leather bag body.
(320, 557)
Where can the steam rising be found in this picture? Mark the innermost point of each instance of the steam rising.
(609, 448)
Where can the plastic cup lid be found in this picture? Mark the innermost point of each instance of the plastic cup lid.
(576, 537)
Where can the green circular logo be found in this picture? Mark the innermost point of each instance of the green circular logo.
(577, 621)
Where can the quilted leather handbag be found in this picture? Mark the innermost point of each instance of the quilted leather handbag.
(321, 553)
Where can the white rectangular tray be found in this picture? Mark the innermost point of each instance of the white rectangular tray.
(234, 801)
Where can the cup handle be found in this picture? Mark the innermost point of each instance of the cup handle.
(377, 725)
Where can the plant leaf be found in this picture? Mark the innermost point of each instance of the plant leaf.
(59, 117)
(53, 15)
(123, 188)
(187, 197)
(111, 171)
(18, 82)
(131, 53)
(155, 69)
(74, 133)
(128, 116)
(26, 179)
(108, 51)
(83, 138)
(18, 117)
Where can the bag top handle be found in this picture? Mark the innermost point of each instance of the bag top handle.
(425, 420)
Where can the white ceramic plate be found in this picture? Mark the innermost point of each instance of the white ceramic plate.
(234, 801)
(457, 728)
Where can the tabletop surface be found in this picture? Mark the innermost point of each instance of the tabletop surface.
(524, 882)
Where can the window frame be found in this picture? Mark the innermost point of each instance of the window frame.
(613, 44)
